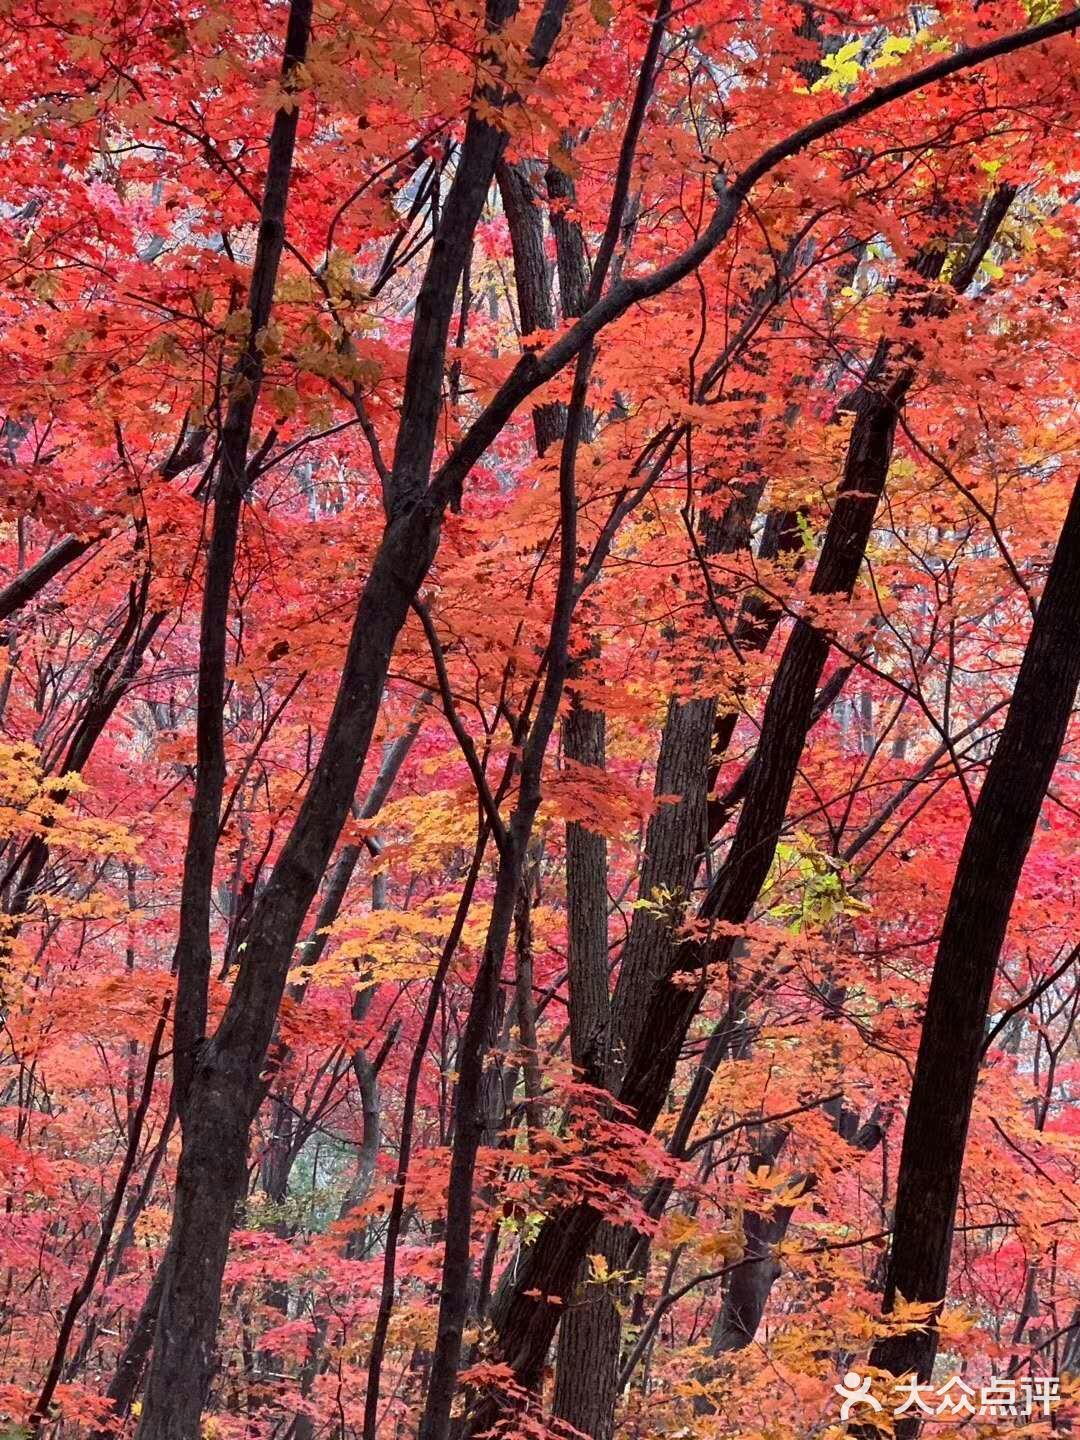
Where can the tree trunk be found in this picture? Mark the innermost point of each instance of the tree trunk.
(127, 1377)
(587, 1364)
(976, 921)
(211, 1184)
(590, 1335)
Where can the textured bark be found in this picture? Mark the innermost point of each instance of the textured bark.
(586, 1371)
(694, 737)
(525, 1009)
(571, 257)
(526, 1323)
(758, 619)
(587, 910)
(976, 921)
(676, 833)
(367, 1081)
(215, 1147)
(590, 1334)
(517, 186)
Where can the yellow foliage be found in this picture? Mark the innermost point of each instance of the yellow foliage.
(383, 945)
(35, 804)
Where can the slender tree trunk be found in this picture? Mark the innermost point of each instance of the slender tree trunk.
(586, 1370)
(976, 921)
(587, 909)
(586, 1367)
(749, 1286)
(212, 1176)
(127, 1377)
(473, 1104)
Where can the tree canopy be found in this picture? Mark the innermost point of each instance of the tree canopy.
(539, 774)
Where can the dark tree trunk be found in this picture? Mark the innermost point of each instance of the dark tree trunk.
(212, 1175)
(590, 1335)
(211, 1185)
(587, 909)
(525, 222)
(586, 1372)
(750, 1284)
(976, 920)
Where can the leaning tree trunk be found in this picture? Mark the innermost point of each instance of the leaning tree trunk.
(976, 920)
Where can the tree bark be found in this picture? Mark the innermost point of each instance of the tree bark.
(211, 1180)
(586, 1369)
(976, 921)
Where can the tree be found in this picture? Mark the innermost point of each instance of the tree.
(953, 1038)
(612, 455)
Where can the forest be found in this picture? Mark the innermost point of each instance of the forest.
(539, 761)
